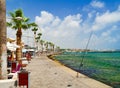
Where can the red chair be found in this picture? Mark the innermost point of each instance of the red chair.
(13, 67)
(17, 68)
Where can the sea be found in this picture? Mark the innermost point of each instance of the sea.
(101, 66)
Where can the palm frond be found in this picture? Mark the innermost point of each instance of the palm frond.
(24, 26)
(42, 41)
(26, 19)
(18, 13)
(18, 20)
(34, 29)
(39, 34)
(12, 14)
(33, 24)
(9, 24)
(14, 27)
(37, 37)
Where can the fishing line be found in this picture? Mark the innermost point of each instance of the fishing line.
(81, 63)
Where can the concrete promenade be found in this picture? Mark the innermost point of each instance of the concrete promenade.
(46, 73)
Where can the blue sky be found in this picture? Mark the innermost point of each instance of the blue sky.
(68, 23)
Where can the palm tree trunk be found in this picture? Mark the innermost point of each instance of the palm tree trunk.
(3, 49)
(34, 38)
(19, 50)
(53, 48)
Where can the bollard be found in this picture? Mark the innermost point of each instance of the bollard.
(23, 78)
(13, 67)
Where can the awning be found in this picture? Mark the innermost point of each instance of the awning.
(27, 50)
(12, 46)
(10, 40)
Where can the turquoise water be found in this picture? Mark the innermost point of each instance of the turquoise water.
(102, 66)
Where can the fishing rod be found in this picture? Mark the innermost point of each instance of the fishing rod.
(81, 63)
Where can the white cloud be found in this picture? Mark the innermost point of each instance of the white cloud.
(45, 19)
(72, 21)
(106, 19)
(97, 4)
(110, 31)
(73, 31)
(63, 30)
(56, 22)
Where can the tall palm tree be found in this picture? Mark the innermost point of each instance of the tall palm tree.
(42, 44)
(46, 45)
(52, 46)
(38, 39)
(19, 22)
(57, 49)
(38, 36)
(3, 50)
(35, 30)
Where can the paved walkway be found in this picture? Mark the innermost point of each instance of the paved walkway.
(46, 73)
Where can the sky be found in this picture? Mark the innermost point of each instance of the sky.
(69, 23)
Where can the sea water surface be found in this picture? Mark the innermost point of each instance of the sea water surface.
(102, 66)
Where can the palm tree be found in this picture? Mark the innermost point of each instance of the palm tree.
(42, 44)
(35, 30)
(3, 50)
(19, 22)
(52, 46)
(58, 48)
(46, 45)
(38, 38)
(39, 34)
